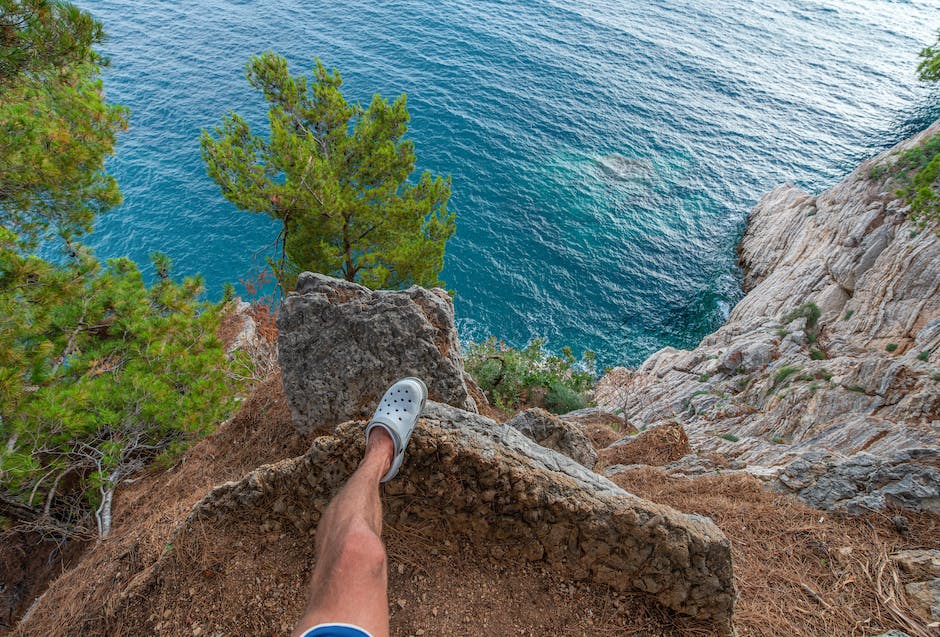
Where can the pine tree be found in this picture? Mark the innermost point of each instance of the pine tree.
(99, 374)
(337, 176)
(56, 129)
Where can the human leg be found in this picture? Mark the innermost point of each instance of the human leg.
(350, 580)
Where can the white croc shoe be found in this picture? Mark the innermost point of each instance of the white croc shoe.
(398, 414)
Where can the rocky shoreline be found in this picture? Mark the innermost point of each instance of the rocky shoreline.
(825, 380)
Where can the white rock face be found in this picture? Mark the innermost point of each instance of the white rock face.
(853, 381)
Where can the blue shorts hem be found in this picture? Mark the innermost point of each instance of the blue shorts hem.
(336, 630)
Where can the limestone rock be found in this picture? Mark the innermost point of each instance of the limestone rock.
(552, 432)
(494, 487)
(918, 562)
(862, 378)
(340, 345)
(241, 331)
(657, 446)
(864, 482)
(925, 597)
(245, 329)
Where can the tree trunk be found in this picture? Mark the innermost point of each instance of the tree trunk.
(350, 270)
(12, 508)
(103, 514)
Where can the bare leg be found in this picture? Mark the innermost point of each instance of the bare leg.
(350, 580)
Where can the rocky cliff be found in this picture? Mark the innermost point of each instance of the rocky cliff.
(825, 380)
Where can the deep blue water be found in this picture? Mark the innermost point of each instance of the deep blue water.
(697, 107)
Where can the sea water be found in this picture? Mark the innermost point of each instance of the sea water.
(604, 154)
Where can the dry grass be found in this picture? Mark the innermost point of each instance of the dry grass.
(800, 571)
(657, 446)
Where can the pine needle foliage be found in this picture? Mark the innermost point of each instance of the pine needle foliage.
(929, 68)
(338, 176)
(56, 128)
(99, 376)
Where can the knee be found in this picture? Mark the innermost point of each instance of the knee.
(361, 550)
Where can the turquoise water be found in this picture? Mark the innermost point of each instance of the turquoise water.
(604, 154)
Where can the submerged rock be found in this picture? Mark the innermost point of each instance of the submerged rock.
(622, 168)
(340, 345)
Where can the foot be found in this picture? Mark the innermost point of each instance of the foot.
(397, 415)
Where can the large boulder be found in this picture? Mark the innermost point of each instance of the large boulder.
(495, 488)
(864, 482)
(340, 345)
(466, 481)
(552, 432)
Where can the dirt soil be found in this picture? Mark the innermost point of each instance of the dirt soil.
(798, 571)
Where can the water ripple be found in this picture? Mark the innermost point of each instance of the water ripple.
(519, 101)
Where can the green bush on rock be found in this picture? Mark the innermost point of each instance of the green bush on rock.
(914, 173)
(512, 378)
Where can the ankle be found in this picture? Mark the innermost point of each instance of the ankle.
(380, 449)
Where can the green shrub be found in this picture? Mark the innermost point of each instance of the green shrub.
(560, 399)
(809, 311)
(102, 376)
(729, 437)
(856, 388)
(923, 356)
(703, 378)
(512, 377)
(777, 440)
(848, 315)
(784, 373)
(817, 355)
(916, 172)
(891, 347)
